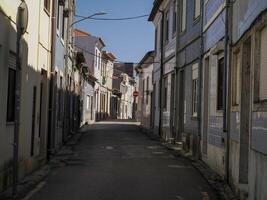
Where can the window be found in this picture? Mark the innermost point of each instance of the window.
(33, 120)
(183, 15)
(147, 90)
(59, 99)
(63, 26)
(263, 65)
(174, 18)
(47, 5)
(156, 39)
(197, 9)
(88, 102)
(167, 20)
(236, 79)
(92, 102)
(220, 84)
(58, 14)
(95, 59)
(165, 92)
(11, 95)
(159, 89)
(99, 60)
(143, 97)
(194, 89)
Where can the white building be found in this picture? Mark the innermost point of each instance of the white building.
(145, 101)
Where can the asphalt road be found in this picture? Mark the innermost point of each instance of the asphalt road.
(115, 161)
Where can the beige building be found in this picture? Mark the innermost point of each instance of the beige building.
(35, 60)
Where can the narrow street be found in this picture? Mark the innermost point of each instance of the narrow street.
(115, 161)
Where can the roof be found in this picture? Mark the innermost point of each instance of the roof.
(102, 42)
(109, 55)
(148, 55)
(155, 9)
(80, 33)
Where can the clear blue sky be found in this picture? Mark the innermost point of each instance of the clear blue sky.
(128, 40)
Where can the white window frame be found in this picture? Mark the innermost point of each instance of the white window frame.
(183, 15)
(263, 67)
(197, 9)
(195, 76)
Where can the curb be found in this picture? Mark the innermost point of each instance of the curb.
(29, 183)
(220, 186)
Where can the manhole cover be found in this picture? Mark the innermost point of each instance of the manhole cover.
(109, 148)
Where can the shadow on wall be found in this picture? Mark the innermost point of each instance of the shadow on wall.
(8, 36)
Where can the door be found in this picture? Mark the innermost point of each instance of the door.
(172, 112)
(205, 108)
(245, 112)
(42, 111)
(182, 105)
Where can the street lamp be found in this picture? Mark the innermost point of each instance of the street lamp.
(90, 16)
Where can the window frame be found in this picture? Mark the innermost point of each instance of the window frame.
(196, 17)
(195, 82)
(165, 93)
(219, 97)
(11, 109)
(236, 73)
(167, 26)
(183, 16)
(174, 18)
(58, 16)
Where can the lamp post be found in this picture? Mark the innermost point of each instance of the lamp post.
(21, 23)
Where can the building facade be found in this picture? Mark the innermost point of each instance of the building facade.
(164, 18)
(145, 88)
(34, 88)
(122, 102)
(48, 85)
(213, 137)
(247, 99)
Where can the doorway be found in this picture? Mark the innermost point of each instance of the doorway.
(182, 105)
(245, 112)
(42, 112)
(206, 108)
(172, 111)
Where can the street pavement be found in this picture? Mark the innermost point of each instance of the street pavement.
(116, 161)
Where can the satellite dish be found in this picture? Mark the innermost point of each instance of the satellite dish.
(22, 18)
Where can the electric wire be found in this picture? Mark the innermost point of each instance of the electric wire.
(116, 62)
(113, 19)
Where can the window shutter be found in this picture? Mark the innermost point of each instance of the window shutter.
(12, 61)
(263, 65)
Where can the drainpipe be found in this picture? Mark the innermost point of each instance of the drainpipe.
(226, 87)
(200, 84)
(161, 70)
(51, 84)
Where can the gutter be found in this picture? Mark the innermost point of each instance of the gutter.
(226, 85)
(51, 84)
(161, 69)
(200, 84)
